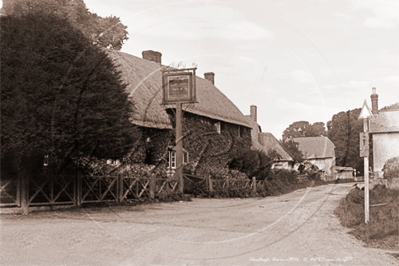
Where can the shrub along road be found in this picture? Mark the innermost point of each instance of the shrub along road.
(293, 229)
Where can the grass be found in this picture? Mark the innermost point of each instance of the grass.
(382, 230)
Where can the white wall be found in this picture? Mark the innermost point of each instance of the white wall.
(385, 146)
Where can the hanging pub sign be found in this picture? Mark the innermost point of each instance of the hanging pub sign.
(178, 85)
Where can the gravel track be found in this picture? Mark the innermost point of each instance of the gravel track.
(293, 229)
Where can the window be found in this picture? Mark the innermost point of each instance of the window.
(113, 162)
(218, 127)
(172, 158)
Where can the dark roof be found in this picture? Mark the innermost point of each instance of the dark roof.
(269, 142)
(385, 122)
(144, 79)
(316, 147)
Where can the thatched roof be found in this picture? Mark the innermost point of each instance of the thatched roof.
(266, 141)
(269, 142)
(144, 79)
(385, 122)
(316, 147)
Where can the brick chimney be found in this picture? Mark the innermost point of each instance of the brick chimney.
(374, 102)
(152, 56)
(210, 76)
(253, 113)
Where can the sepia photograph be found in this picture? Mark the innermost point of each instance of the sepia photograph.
(199, 132)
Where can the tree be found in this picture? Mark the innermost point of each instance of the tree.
(296, 130)
(293, 150)
(304, 129)
(106, 32)
(392, 107)
(317, 129)
(61, 96)
(343, 131)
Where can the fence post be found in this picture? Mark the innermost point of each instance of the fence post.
(79, 190)
(210, 185)
(227, 183)
(120, 187)
(254, 184)
(152, 186)
(24, 194)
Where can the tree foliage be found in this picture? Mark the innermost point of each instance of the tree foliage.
(392, 107)
(343, 131)
(293, 150)
(304, 129)
(106, 32)
(254, 163)
(61, 96)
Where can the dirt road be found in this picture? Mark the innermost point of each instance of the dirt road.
(294, 229)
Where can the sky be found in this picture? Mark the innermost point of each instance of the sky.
(295, 60)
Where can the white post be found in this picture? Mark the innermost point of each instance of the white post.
(366, 177)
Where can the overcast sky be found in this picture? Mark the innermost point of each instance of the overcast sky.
(295, 60)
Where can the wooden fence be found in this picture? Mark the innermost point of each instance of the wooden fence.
(79, 189)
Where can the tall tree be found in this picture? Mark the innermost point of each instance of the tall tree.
(317, 129)
(304, 129)
(106, 32)
(343, 131)
(296, 130)
(61, 96)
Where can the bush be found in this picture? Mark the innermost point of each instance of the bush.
(391, 168)
(218, 173)
(253, 163)
(384, 215)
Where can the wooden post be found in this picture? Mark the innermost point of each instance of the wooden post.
(18, 191)
(79, 190)
(152, 186)
(210, 185)
(366, 177)
(254, 184)
(227, 183)
(179, 147)
(24, 194)
(120, 187)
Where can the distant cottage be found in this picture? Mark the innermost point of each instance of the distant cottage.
(214, 128)
(319, 151)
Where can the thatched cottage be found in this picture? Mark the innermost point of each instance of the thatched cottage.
(319, 151)
(214, 129)
(384, 128)
(266, 142)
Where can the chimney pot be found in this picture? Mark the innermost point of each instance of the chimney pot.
(210, 76)
(374, 101)
(253, 113)
(153, 56)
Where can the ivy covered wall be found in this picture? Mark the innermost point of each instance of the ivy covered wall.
(208, 150)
